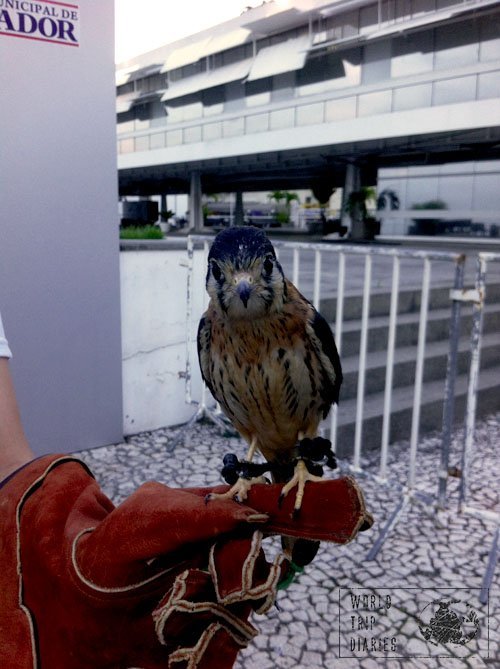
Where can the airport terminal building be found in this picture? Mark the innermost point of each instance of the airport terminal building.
(402, 94)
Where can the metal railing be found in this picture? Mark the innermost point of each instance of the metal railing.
(342, 253)
(478, 298)
(317, 288)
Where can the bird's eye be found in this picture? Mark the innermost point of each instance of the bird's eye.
(216, 271)
(268, 265)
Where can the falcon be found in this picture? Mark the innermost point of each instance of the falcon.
(268, 357)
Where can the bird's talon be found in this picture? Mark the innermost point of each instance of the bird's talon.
(296, 514)
(208, 498)
(280, 500)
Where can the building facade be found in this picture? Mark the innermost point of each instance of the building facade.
(322, 95)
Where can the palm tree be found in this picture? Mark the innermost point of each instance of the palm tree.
(278, 196)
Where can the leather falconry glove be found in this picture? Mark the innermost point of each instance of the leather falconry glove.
(162, 580)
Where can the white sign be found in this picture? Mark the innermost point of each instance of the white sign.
(44, 21)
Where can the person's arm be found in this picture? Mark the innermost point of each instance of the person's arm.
(14, 447)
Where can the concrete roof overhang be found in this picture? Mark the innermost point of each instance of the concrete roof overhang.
(307, 167)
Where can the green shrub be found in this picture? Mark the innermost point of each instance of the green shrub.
(141, 232)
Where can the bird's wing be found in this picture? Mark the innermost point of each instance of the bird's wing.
(322, 338)
(203, 341)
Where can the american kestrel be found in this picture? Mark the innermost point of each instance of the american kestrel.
(266, 354)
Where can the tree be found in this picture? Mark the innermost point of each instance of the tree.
(278, 196)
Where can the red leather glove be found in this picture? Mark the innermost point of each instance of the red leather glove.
(163, 580)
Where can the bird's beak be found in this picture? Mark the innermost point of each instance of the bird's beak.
(243, 288)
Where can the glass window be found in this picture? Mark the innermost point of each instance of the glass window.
(174, 137)
(402, 10)
(282, 118)
(350, 24)
(412, 54)
(420, 7)
(332, 28)
(258, 92)
(486, 192)
(159, 121)
(489, 48)
(443, 4)
(213, 101)
(420, 190)
(456, 44)
(234, 94)
(192, 134)
(283, 86)
(183, 111)
(489, 85)
(456, 190)
(213, 110)
(331, 72)
(212, 131)
(157, 140)
(340, 110)
(141, 123)
(191, 111)
(258, 99)
(376, 62)
(232, 55)
(412, 97)
(128, 126)
(125, 88)
(310, 114)
(126, 145)
(370, 104)
(142, 143)
(257, 123)
(368, 19)
(449, 91)
(233, 127)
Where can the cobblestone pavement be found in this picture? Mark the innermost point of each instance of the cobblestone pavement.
(345, 611)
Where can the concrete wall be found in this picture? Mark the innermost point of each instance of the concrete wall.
(154, 303)
(59, 251)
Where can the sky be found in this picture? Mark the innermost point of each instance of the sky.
(148, 24)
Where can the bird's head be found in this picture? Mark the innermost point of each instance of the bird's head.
(244, 277)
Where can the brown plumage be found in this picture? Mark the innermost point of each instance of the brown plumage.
(266, 354)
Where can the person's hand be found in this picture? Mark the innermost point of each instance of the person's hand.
(164, 579)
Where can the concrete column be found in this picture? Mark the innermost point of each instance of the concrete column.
(351, 184)
(238, 209)
(195, 207)
(163, 202)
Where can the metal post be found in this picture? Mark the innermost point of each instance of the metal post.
(195, 205)
(419, 371)
(339, 317)
(317, 279)
(391, 522)
(470, 416)
(189, 316)
(490, 569)
(362, 365)
(391, 344)
(449, 389)
(296, 266)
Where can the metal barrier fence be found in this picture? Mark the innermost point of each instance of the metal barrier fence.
(478, 297)
(343, 253)
(316, 289)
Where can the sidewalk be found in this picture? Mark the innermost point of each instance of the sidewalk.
(328, 613)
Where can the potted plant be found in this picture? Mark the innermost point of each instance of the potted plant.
(364, 227)
(165, 216)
